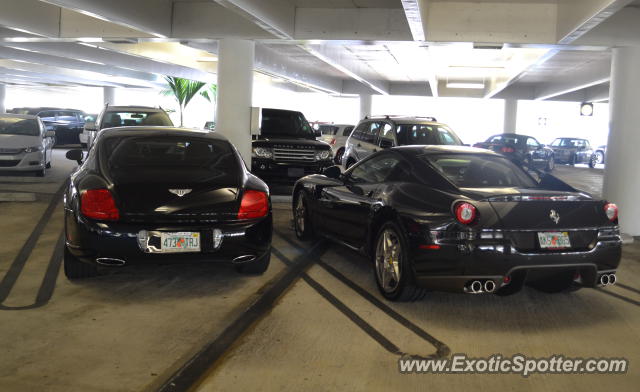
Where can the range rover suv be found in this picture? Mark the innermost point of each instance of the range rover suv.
(287, 148)
(376, 133)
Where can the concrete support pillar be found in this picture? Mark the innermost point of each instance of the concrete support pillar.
(365, 105)
(235, 88)
(109, 95)
(510, 115)
(3, 94)
(621, 180)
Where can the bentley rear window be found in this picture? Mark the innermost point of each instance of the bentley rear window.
(170, 158)
(480, 171)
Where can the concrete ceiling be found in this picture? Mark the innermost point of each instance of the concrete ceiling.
(523, 49)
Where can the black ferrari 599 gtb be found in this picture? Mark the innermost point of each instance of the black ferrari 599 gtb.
(161, 194)
(461, 219)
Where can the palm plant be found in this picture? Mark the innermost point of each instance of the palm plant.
(183, 90)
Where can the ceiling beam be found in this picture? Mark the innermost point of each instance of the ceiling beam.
(597, 72)
(413, 10)
(65, 76)
(375, 24)
(115, 58)
(275, 16)
(30, 16)
(29, 56)
(490, 22)
(575, 18)
(150, 16)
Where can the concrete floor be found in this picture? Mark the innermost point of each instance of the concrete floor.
(177, 328)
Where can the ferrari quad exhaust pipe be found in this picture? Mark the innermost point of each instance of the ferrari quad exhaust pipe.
(110, 262)
(608, 279)
(480, 286)
(489, 286)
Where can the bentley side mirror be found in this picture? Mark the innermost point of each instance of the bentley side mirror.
(333, 172)
(90, 126)
(75, 155)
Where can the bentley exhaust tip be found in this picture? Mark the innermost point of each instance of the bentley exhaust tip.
(604, 279)
(476, 287)
(612, 279)
(243, 259)
(110, 262)
(489, 286)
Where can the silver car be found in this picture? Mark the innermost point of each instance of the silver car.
(25, 145)
(336, 135)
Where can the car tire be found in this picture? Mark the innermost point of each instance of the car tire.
(301, 220)
(393, 271)
(256, 267)
(556, 283)
(551, 163)
(599, 157)
(76, 269)
(338, 157)
(593, 161)
(572, 160)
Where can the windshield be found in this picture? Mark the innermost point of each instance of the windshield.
(568, 143)
(285, 123)
(176, 158)
(480, 171)
(328, 130)
(133, 118)
(19, 126)
(409, 134)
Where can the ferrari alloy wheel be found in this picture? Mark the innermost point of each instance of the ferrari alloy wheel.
(388, 261)
(551, 164)
(393, 271)
(301, 222)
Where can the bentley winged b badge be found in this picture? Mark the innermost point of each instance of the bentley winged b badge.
(180, 192)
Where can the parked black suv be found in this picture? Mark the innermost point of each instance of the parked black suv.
(373, 134)
(66, 123)
(287, 148)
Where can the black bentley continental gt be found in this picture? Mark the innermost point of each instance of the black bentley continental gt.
(461, 219)
(164, 195)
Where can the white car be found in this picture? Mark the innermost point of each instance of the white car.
(124, 116)
(25, 144)
(336, 135)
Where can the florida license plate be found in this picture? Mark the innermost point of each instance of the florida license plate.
(554, 240)
(180, 242)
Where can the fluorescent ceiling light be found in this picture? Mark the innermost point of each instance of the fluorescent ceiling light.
(90, 39)
(207, 59)
(465, 85)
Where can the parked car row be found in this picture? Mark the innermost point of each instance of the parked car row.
(25, 144)
(430, 217)
(67, 124)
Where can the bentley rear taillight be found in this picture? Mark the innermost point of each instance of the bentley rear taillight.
(99, 204)
(507, 149)
(612, 211)
(254, 204)
(466, 213)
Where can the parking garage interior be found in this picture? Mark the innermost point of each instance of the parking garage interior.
(315, 320)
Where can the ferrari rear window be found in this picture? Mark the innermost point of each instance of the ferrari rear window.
(480, 171)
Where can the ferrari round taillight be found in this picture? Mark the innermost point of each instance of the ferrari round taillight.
(254, 204)
(99, 204)
(612, 211)
(466, 213)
